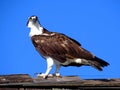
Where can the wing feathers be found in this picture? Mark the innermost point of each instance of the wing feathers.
(60, 47)
(98, 63)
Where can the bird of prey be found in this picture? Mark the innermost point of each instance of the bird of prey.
(59, 49)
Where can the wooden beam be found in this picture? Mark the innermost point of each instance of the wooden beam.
(24, 81)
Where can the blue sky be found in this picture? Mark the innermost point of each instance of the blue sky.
(94, 23)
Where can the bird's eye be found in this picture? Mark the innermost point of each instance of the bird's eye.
(30, 19)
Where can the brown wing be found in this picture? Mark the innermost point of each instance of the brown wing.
(60, 47)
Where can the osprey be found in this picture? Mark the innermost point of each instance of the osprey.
(59, 49)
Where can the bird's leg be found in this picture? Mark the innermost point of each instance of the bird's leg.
(50, 63)
(57, 74)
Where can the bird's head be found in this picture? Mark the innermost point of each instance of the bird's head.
(33, 21)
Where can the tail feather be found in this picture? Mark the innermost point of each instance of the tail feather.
(98, 63)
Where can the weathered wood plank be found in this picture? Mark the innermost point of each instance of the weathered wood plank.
(56, 79)
(75, 81)
(15, 78)
(24, 81)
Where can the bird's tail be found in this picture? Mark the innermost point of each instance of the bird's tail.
(97, 63)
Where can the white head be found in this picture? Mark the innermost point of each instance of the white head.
(34, 25)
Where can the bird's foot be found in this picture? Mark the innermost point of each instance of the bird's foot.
(44, 76)
(57, 75)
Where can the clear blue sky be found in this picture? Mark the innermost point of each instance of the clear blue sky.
(94, 23)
